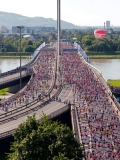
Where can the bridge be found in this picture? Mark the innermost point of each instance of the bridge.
(95, 113)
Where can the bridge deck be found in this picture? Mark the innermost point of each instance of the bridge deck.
(96, 110)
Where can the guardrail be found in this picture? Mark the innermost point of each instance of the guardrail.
(79, 131)
(105, 85)
(16, 78)
(12, 72)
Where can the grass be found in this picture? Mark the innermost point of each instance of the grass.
(11, 57)
(4, 92)
(115, 83)
(104, 56)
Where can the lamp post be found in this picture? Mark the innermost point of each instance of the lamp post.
(20, 27)
(58, 32)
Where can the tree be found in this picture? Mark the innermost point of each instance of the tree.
(2, 50)
(10, 48)
(30, 43)
(44, 140)
(29, 48)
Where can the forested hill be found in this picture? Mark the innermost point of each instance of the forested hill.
(12, 19)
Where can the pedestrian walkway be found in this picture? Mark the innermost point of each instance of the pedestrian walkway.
(98, 115)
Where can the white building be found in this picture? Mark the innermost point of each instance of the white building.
(29, 37)
(107, 25)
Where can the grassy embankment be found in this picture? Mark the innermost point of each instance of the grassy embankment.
(115, 83)
(4, 92)
(103, 55)
(14, 55)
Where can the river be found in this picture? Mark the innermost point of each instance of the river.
(110, 68)
(9, 64)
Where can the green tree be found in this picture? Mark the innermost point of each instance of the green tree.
(29, 48)
(52, 36)
(30, 43)
(44, 140)
(3, 50)
(10, 48)
(87, 40)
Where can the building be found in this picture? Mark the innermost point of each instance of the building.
(29, 37)
(4, 29)
(33, 30)
(107, 25)
(16, 30)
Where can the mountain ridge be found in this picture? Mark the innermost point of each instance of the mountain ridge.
(9, 19)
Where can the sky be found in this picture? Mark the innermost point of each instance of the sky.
(78, 12)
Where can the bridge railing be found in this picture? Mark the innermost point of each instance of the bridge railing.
(16, 78)
(12, 72)
(105, 84)
(83, 53)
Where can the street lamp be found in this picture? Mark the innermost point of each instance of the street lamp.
(20, 27)
(58, 32)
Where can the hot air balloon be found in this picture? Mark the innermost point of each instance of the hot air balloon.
(99, 33)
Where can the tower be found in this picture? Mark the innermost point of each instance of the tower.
(104, 25)
(107, 25)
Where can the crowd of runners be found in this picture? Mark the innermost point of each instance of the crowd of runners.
(98, 117)
(39, 84)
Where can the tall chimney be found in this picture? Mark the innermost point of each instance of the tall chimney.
(104, 25)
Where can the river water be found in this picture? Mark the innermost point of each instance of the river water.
(9, 64)
(110, 68)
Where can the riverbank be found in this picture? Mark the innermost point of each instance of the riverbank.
(104, 56)
(115, 83)
(13, 57)
(90, 57)
(97, 56)
(4, 94)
